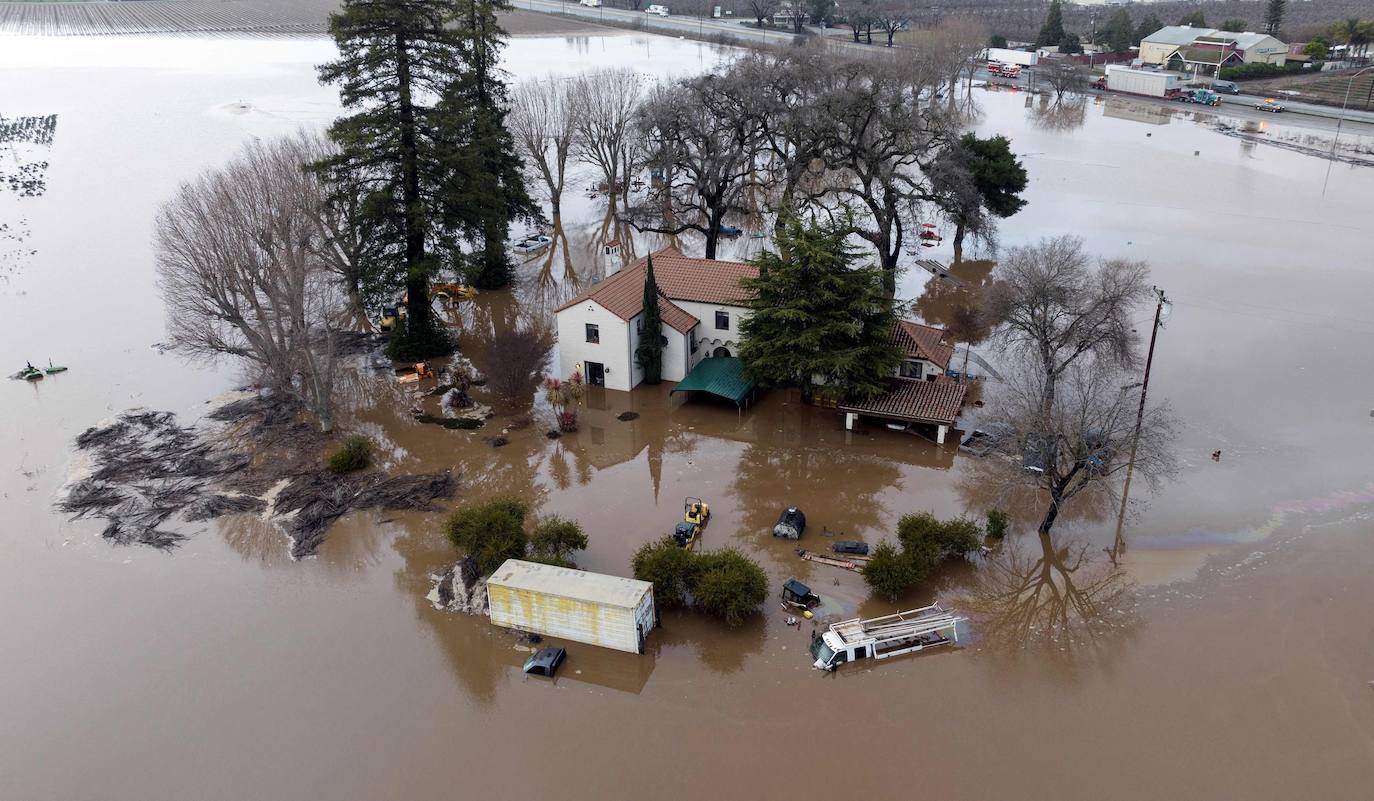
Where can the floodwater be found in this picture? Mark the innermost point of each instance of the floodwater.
(1232, 652)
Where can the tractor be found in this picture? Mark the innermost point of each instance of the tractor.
(695, 513)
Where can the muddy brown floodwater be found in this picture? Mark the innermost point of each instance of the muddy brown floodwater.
(1229, 655)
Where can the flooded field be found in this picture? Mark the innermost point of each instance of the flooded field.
(1232, 656)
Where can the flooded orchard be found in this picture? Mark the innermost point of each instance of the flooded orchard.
(1227, 654)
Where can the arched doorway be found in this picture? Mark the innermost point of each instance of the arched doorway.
(721, 352)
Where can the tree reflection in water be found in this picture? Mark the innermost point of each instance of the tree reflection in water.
(1065, 115)
(1065, 596)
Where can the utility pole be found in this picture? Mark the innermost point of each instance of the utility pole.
(1119, 543)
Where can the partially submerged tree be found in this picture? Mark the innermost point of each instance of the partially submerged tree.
(704, 135)
(1055, 309)
(669, 567)
(555, 540)
(1088, 435)
(397, 58)
(485, 191)
(649, 351)
(490, 532)
(976, 180)
(604, 103)
(817, 316)
(544, 121)
(729, 585)
(1067, 81)
(516, 362)
(240, 269)
(925, 541)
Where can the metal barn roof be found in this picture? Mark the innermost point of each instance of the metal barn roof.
(565, 582)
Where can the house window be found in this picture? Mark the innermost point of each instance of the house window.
(912, 368)
(722, 321)
(594, 333)
(693, 336)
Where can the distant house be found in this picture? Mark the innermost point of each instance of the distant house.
(700, 303)
(1204, 49)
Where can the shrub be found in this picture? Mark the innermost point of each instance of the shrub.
(490, 532)
(567, 421)
(889, 571)
(354, 454)
(998, 523)
(517, 359)
(554, 540)
(926, 542)
(668, 567)
(1245, 72)
(729, 585)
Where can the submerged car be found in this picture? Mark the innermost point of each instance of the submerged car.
(850, 547)
(544, 662)
(797, 595)
(982, 441)
(686, 533)
(532, 244)
(791, 523)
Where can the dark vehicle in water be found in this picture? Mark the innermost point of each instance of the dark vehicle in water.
(850, 546)
(686, 534)
(982, 441)
(544, 662)
(799, 596)
(791, 523)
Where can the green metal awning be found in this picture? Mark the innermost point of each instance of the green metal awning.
(722, 376)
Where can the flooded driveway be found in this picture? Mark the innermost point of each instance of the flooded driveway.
(1228, 656)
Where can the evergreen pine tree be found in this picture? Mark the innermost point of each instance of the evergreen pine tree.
(487, 190)
(1053, 30)
(1273, 16)
(649, 352)
(1119, 34)
(814, 314)
(1149, 25)
(393, 56)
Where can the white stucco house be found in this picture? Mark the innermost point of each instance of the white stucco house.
(700, 302)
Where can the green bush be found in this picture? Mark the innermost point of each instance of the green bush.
(554, 540)
(354, 454)
(926, 542)
(888, 572)
(669, 567)
(490, 532)
(729, 585)
(998, 523)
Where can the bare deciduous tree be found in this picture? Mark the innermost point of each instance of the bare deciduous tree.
(543, 119)
(1090, 433)
(240, 269)
(705, 135)
(604, 104)
(762, 10)
(517, 359)
(1067, 81)
(891, 16)
(1055, 309)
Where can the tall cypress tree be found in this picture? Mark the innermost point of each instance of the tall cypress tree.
(649, 353)
(487, 191)
(1273, 16)
(393, 56)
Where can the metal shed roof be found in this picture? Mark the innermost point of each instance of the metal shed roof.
(564, 582)
(722, 376)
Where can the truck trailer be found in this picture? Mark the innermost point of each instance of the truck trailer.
(1002, 55)
(1149, 83)
(882, 637)
(593, 608)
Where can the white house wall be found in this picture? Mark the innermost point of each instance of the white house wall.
(674, 354)
(708, 337)
(614, 351)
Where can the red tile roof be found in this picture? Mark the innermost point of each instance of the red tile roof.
(679, 278)
(917, 401)
(922, 342)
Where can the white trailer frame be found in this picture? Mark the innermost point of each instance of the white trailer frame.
(886, 636)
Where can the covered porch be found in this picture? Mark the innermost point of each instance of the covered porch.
(934, 403)
(722, 377)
